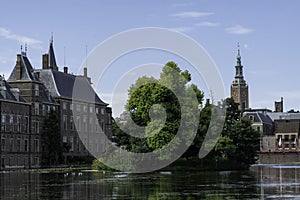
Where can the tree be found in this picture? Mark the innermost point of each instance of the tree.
(238, 141)
(51, 140)
(153, 102)
(246, 140)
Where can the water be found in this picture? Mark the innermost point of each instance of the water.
(261, 182)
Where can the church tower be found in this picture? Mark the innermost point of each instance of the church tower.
(239, 87)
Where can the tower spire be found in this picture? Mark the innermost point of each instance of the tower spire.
(51, 39)
(51, 56)
(239, 87)
(239, 54)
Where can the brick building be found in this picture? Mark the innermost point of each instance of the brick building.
(28, 96)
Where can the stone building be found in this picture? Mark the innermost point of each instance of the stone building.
(239, 88)
(18, 147)
(264, 124)
(287, 134)
(34, 92)
(28, 96)
(93, 115)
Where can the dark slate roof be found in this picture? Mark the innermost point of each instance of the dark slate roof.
(61, 85)
(27, 71)
(52, 60)
(6, 93)
(259, 117)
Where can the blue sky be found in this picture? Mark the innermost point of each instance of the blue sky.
(267, 30)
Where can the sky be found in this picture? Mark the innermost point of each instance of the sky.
(268, 33)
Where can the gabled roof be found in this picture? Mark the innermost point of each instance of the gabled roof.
(6, 92)
(61, 85)
(26, 70)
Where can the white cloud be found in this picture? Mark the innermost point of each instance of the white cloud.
(208, 24)
(238, 29)
(5, 33)
(183, 29)
(192, 14)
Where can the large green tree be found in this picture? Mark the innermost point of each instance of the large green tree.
(153, 102)
(239, 141)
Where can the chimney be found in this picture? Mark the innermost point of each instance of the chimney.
(86, 76)
(18, 67)
(207, 102)
(85, 72)
(45, 61)
(37, 74)
(66, 70)
(16, 93)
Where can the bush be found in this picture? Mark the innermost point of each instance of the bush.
(98, 165)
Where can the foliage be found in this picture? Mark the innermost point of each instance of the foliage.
(51, 140)
(98, 165)
(165, 91)
(238, 142)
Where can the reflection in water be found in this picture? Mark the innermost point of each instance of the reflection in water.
(262, 182)
(278, 181)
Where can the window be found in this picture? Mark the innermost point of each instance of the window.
(251, 118)
(85, 108)
(91, 124)
(44, 110)
(71, 106)
(71, 144)
(78, 123)
(18, 148)
(36, 90)
(102, 111)
(3, 144)
(71, 123)
(26, 121)
(64, 105)
(36, 160)
(65, 122)
(85, 123)
(11, 144)
(91, 109)
(36, 126)
(26, 145)
(36, 109)
(78, 108)
(97, 110)
(36, 145)
(19, 123)
(11, 122)
(49, 109)
(64, 139)
(3, 122)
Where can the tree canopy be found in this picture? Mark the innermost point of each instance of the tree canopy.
(153, 101)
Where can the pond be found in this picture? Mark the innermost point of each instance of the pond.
(261, 182)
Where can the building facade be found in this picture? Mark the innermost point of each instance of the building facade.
(38, 92)
(18, 147)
